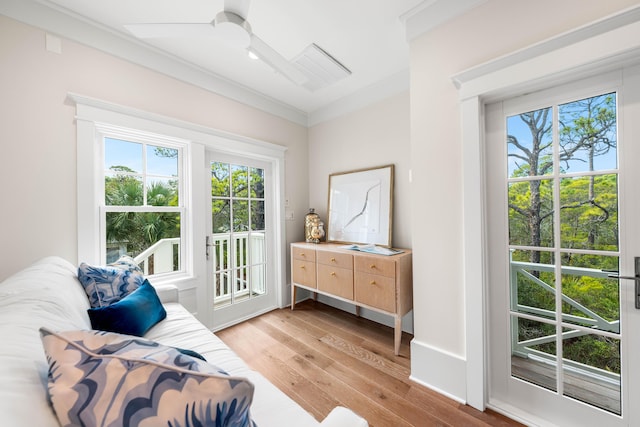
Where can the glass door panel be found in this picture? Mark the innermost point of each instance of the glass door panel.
(238, 223)
(244, 238)
(534, 352)
(533, 283)
(562, 191)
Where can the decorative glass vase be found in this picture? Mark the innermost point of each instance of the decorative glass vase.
(317, 231)
(311, 222)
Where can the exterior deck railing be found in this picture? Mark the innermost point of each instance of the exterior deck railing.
(230, 283)
(587, 317)
(159, 257)
(233, 283)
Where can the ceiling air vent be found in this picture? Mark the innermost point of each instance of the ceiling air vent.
(321, 69)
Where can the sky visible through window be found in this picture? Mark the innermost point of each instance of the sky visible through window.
(518, 128)
(129, 155)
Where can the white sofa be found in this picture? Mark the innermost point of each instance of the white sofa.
(48, 294)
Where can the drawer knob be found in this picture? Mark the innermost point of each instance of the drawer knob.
(372, 266)
(303, 254)
(333, 273)
(302, 267)
(333, 259)
(373, 282)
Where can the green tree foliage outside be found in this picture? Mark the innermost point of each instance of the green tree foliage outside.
(237, 192)
(588, 210)
(237, 206)
(137, 231)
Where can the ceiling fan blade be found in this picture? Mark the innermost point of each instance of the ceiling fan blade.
(276, 61)
(239, 7)
(184, 30)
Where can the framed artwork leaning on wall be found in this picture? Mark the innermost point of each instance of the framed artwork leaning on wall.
(361, 206)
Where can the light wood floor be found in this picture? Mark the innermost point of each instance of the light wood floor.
(323, 357)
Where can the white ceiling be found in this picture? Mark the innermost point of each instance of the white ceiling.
(367, 36)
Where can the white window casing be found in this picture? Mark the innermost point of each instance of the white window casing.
(95, 118)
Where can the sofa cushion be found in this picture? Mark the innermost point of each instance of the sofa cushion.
(108, 284)
(102, 378)
(271, 407)
(134, 314)
(46, 293)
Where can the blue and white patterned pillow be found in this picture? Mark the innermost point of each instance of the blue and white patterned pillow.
(125, 262)
(106, 285)
(102, 378)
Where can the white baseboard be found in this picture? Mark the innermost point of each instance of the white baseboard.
(439, 370)
(242, 319)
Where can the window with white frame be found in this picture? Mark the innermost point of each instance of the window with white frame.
(142, 204)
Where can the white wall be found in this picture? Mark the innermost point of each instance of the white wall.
(374, 136)
(377, 135)
(495, 28)
(38, 135)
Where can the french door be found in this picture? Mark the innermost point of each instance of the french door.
(563, 191)
(240, 239)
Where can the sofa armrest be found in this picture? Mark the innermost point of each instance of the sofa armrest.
(343, 417)
(168, 293)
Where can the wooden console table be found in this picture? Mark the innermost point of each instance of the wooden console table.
(377, 282)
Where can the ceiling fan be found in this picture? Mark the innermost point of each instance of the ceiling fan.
(229, 25)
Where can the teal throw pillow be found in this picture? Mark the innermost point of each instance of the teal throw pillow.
(134, 314)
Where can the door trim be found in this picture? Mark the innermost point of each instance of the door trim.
(523, 71)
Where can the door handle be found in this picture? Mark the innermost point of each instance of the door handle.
(636, 278)
(207, 245)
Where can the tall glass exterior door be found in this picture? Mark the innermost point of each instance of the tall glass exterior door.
(562, 202)
(239, 239)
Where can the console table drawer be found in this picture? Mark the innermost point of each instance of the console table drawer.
(376, 265)
(336, 281)
(304, 272)
(376, 291)
(335, 259)
(306, 254)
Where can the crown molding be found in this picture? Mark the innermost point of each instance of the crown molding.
(46, 16)
(431, 13)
